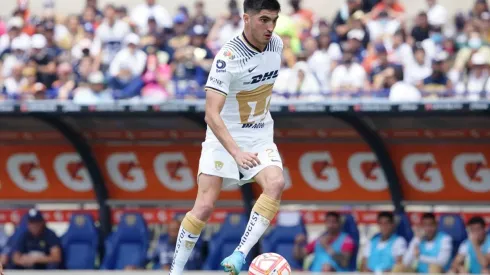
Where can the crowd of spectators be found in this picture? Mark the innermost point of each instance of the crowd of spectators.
(371, 48)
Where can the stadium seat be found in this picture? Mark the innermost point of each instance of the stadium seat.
(281, 238)
(404, 226)
(224, 242)
(19, 230)
(190, 265)
(350, 227)
(128, 245)
(454, 226)
(80, 243)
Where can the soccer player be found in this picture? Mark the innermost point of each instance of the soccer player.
(239, 145)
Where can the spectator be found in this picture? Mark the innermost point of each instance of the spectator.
(94, 92)
(299, 82)
(474, 45)
(130, 54)
(355, 38)
(62, 88)
(394, 9)
(341, 24)
(144, 11)
(348, 77)
(331, 251)
(89, 16)
(156, 78)
(14, 27)
(19, 54)
(419, 68)
(323, 56)
(200, 17)
(181, 36)
(383, 27)
(431, 252)
(384, 252)
(437, 13)
(225, 28)
(420, 31)
(44, 59)
(111, 34)
(479, 8)
(381, 64)
(192, 63)
(303, 18)
(38, 247)
(476, 250)
(165, 250)
(400, 91)
(476, 85)
(437, 84)
(13, 83)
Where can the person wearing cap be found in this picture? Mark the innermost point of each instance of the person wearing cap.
(192, 62)
(355, 41)
(12, 84)
(111, 34)
(437, 84)
(180, 37)
(476, 84)
(44, 58)
(38, 247)
(130, 54)
(93, 93)
(382, 63)
(14, 29)
(19, 53)
(474, 45)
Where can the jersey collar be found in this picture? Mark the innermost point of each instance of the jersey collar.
(248, 44)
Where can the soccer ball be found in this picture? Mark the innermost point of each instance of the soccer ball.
(270, 264)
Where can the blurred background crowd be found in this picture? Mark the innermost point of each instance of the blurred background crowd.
(371, 48)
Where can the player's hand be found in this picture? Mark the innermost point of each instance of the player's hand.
(300, 239)
(247, 160)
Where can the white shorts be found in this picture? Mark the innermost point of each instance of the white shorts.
(216, 161)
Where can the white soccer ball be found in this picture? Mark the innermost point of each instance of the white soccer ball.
(270, 264)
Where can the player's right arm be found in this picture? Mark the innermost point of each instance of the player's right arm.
(217, 89)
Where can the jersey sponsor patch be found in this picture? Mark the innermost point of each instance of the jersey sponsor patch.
(216, 81)
(220, 66)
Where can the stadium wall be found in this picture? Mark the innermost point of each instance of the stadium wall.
(322, 8)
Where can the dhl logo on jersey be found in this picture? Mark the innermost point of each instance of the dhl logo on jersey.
(337, 172)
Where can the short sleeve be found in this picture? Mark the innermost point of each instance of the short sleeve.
(222, 71)
(399, 247)
(53, 240)
(463, 249)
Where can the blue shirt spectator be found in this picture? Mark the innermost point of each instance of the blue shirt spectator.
(38, 247)
(164, 252)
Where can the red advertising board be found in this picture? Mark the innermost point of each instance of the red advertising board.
(313, 172)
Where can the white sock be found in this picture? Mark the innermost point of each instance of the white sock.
(183, 249)
(257, 224)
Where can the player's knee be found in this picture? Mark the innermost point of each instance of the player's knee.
(203, 209)
(274, 186)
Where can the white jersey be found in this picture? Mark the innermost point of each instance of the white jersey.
(246, 76)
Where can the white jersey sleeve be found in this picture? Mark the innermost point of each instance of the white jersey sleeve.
(224, 68)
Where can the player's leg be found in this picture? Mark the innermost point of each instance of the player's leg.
(271, 178)
(209, 188)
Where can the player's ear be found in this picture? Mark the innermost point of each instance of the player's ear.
(246, 18)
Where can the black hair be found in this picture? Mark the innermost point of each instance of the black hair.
(255, 6)
(477, 220)
(336, 215)
(387, 215)
(429, 216)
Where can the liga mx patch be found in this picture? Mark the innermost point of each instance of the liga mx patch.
(218, 165)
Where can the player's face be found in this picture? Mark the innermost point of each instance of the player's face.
(385, 227)
(430, 227)
(262, 25)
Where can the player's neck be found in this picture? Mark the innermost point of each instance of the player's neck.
(252, 43)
